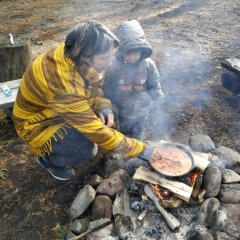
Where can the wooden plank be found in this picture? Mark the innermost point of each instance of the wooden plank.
(179, 189)
(8, 102)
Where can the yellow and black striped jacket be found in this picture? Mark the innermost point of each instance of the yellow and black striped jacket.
(54, 95)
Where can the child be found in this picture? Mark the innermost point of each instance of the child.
(131, 79)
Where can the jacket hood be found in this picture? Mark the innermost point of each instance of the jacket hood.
(132, 37)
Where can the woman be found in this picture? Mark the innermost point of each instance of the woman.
(60, 110)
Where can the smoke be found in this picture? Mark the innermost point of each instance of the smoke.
(222, 163)
(185, 74)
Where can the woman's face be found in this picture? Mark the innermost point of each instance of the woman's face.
(100, 61)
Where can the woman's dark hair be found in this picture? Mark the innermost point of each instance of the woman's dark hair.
(89, 39)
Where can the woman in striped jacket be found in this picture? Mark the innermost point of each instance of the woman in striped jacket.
(60, 111)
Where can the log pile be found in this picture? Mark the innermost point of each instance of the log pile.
(186, 188)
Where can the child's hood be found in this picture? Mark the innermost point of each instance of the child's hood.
(132, 37)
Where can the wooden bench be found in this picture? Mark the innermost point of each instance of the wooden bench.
(8, 102)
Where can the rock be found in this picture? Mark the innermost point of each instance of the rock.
(229, 193)
(125, 227)
(201, 143)
(133, 164)
(218, 235)
(110, 238)
(206, 211)
(232, 227)
(82, 201)
(80, 226)
(101, 207)
(93, 180)
(212, 181)
(101, 233)
(228, 158)
(198, 234)
(70, 235)
(230, 176)
(121, 205)
(110, 163)
(116, 182)
(218, 220)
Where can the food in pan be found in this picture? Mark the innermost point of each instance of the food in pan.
(179, 164)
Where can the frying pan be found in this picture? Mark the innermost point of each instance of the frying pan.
(176, 161)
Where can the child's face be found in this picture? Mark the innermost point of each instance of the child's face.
(132, 57)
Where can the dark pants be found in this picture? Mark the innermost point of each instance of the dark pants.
(134, 127)
(73, 150)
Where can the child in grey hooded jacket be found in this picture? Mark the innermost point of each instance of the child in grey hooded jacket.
(132, 80)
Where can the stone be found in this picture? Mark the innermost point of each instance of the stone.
(229, 193)
(101, 233)
(133, 164)
(80, 226)
(218, 220)
(116, 182)
(121, 205)
(228, 158)
(230, 176)
(201, 143)
(232, 227)
(212, 181)
(94, 180)
(125, 227)
(110, 163)
(70, 235)
(198, 234)
(219, 235)
(101, 207)
(110, 238)
(82, 201)
(206, 211)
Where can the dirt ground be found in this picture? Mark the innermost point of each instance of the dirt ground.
(189, 39)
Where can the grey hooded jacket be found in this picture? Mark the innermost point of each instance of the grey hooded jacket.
(130, 86)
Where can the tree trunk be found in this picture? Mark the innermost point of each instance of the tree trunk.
(15, 57)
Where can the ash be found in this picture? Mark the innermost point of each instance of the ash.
(153, 225)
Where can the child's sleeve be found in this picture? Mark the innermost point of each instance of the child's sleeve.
(108, 83)
(153, 82)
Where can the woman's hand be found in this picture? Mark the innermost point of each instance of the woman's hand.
(156, 156)
(108, 120)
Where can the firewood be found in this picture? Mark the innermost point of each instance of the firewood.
(201, 160)
(179, 189)
(171, 220)
(201, 194)
(142, 215)
(197, 186)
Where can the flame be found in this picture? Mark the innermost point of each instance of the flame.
(159, 192)
(193, 175)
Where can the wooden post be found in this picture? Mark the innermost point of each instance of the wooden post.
(15, 57)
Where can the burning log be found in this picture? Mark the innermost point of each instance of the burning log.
(201, 194)
(171, 220)
(193, 179)
(165, 197)
(179, 189)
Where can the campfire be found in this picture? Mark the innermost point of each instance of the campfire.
(144, 195)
